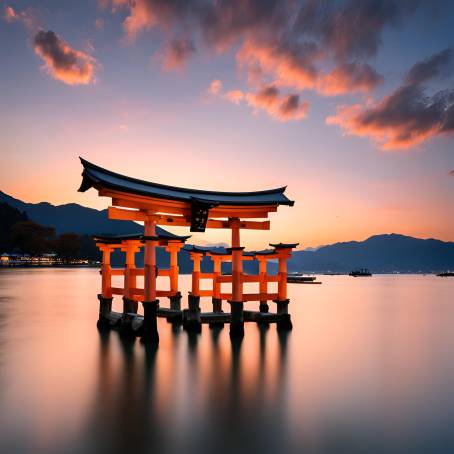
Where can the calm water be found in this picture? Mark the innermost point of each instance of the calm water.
(368, 367)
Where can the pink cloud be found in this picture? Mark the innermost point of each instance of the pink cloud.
(235, 96)
(268, 98)
(349, 78)
(27, 17)
(402, 120)
(289, 68)
(295, 67)
(215, 87)
(281, 107)
(407, 117)
(71, 66)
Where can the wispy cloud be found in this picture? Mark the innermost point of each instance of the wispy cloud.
(215, 87)
(283, 107)
(437, 65)
(99, 23)
(28, 17)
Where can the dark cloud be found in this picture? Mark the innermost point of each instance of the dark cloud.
(225, 22)
(284, 41)
(407, 117)
(451, 173)
(403, 119)
(281, 107)
(177, 53)
(351, 29)
(347, 28)
(300, 45)
(68, 65)
(437, 65)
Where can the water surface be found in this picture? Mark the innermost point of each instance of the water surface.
(368, 367)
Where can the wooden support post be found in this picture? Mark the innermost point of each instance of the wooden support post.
(191, 317)
(150, 303)
(150, 324)
(282, 282)
(105, 308)
(263, 284)
(284, 323)
(175, 301)
(236, 305)
(196, 259)
(216, 300)
(105, 297)
(129, 247)
(106, 271)
(172, 249)
(150, 262)
(175, 298)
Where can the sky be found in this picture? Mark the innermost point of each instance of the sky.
(348, 103)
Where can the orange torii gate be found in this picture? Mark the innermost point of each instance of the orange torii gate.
(131, 244)
(156, 204)
(281, 252)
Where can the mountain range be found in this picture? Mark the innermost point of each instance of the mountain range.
(380, 253)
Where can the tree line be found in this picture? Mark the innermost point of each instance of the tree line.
(18, 232)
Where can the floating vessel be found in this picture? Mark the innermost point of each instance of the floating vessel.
(446, 274)
(360, 272)
(298, 278)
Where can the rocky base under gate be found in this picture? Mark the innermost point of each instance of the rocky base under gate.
(131, 323)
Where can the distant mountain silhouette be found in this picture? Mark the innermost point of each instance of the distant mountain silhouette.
(72, 217)
(76, 218)
(379, 253)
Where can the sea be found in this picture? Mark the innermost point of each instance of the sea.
(367, 368)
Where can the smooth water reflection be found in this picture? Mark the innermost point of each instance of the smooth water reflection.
(369, 367)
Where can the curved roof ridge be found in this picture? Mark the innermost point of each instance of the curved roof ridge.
(89, 165)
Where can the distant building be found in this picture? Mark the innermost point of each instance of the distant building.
(18, 258)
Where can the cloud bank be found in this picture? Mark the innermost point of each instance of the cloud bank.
(289, 44)
(284, 47)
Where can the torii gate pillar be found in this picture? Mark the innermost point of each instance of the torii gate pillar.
(236, 305)
(150, 303)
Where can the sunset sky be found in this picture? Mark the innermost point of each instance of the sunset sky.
(348, 103)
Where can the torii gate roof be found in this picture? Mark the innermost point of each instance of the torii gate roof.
(97, 177)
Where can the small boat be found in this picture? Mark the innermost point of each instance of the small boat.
(446, 274)
(360, 272)
(298, 278)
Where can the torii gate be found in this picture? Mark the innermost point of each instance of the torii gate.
(157, 204)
